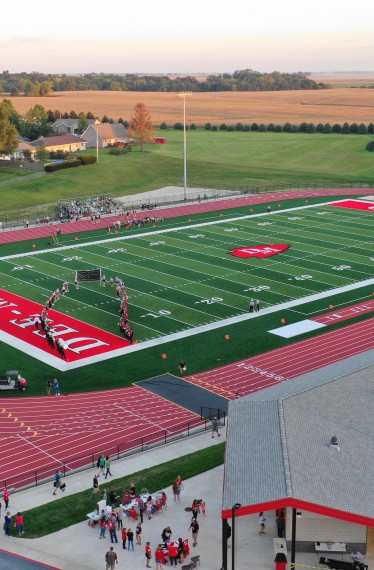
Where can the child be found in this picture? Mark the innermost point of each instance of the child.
(203, 508)
(138, 533)
(261, 522)
(124, 538)
(148, 554)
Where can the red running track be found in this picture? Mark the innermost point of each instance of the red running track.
(258, 372)
(75, 426)
(84, 225)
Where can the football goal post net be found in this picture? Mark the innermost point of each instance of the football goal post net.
(88, 275)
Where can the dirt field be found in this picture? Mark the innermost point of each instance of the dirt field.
(329, 105)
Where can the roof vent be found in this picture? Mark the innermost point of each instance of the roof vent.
(334, 443)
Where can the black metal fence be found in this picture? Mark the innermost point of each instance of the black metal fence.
(121, 450)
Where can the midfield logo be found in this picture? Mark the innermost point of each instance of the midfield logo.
(259, 251)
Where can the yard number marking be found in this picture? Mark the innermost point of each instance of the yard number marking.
(157, 315)
(210, 301)
(258, 288)
(340, 267)
(19, 267)
(74, 258)
(197, 236)
(119, 250)
(157, 243)
(231, 230)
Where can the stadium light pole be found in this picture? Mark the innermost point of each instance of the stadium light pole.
(183, 96)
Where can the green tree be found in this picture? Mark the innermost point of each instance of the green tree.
(353, 128)
(345, 129)
(8, 132)
(82, 123)
(163, 125)
(370, 146)
(370, 128)
(336, 128)
(35, 123)
(141, 128)
(362, 130)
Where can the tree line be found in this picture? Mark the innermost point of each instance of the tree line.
(345, 129)
(40, 84)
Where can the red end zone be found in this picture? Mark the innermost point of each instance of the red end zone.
(355, 204)
(81, 341)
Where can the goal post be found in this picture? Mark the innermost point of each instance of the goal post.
(87, 275)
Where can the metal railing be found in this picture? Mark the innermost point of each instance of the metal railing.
(118, 451)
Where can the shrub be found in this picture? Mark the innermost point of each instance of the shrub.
(327, 128)
(370, 146)
(278, 128)
(230, 128)
(271, 127)
(223, 127)
(193, 127)
(370, 128)
(246, 128)
(87, 159)
(62, 165)
(178, 126)
(286, 127)
(302, 127)
(310, 128)
(163, 125)
(362, 130)
(319, 128)
(345, 129)
(214, 128)
(239, 126)
(353, 128)
(254, 127)
(208, 126)
(262, 128)
(336, 128)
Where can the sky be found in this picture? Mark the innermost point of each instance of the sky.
(195, 36)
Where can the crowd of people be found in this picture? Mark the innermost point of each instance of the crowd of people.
(94, 206)
(130, 220)
(125, 514)
(42, 322)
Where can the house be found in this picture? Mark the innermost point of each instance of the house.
(105, 134)
(66, 143)
(305, 446)
(24, 150)
(70, 126)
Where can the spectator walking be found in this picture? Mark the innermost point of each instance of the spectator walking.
(120, 518)
(57, 481)
(20, 524)
(49, 387)
(182, 367)
(251, 305)
(95, 487)
(111, 559)
(107, 467)
(194, 527)
(268, 209)
(177, 486)
(130, 539)
(148, 554)
(102, 525)
(56, 387)
(257, 306)
(215, 426)
(124, 539)
(138, 533)
(100, 465)
(6, 497)
(112, 526)
(261, 522)
(8, 524)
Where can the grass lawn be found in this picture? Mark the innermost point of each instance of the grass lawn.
(233, 160)
(73, 509)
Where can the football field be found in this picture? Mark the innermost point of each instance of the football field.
(182, 278)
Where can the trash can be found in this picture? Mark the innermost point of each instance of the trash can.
(280, 561)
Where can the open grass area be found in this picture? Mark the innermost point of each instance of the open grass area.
(73, 509)
(186, 278)
(234, 160)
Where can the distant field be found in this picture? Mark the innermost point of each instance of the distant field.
(329, 105)
(218, 159)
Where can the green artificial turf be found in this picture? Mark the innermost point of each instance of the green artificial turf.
(333, 248)
(72, 509)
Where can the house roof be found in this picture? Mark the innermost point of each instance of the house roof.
(22, 145)
(109, 131)
(67, 122)
(57, 140)
(279, 454)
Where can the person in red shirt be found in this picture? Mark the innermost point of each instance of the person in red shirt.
(173, 553)
(6, 496)
(19, 524)
(148, 554)
(159, 557)
(124, 538)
